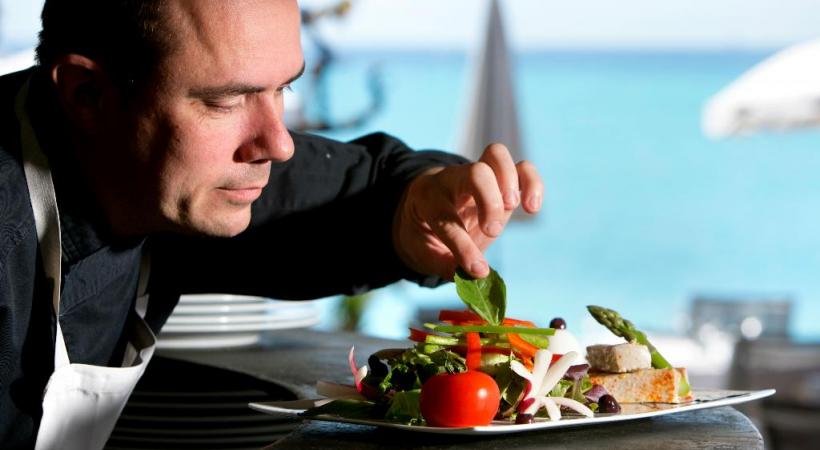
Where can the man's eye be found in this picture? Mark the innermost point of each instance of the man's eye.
(223, 105)
(286, 87)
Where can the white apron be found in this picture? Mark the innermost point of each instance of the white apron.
(81, 402)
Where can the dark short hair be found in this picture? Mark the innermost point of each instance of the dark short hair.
(126, 36)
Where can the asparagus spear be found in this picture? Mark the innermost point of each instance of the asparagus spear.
(625, 329)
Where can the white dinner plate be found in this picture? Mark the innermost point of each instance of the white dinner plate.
(237, 308)
(231, 299)
(199, 341)
(704, 399)
(217, 319)
(267, 427)
(257, 441)
(298, 322)
(198, 420)
(212, 319)
(220, 298)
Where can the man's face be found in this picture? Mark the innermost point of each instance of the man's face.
(206, 134)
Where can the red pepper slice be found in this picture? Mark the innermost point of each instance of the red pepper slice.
(514, 322)
(471, 318)
(418, 335)
(446, 315)
(473, 351)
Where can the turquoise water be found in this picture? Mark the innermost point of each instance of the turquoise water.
(642, 213)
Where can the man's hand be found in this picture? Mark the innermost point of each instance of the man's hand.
(449, 216)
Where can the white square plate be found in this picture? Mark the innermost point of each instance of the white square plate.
(703, 399)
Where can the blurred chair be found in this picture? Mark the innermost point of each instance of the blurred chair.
(791, 418)
(741, 318)
(717, 323)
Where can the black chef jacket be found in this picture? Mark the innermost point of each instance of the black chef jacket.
(321, 227)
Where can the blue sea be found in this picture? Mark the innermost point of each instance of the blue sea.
(642, 213)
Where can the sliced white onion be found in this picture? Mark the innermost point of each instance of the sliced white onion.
(351, 359)
(542, 361)
(574, 405)
(555, 373)
(360, 374)
(522, 371)
(552, 409)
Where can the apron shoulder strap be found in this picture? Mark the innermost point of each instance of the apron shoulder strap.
(142, 285)
(46, 216)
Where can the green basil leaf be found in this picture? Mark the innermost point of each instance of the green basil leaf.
(487, 297)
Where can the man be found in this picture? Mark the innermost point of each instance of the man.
(160, 124)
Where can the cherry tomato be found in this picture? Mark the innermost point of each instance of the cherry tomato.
(465, 399)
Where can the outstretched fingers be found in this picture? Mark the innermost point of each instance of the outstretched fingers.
(481, 184)
(500, 161)
(450, 215)
(532, 188)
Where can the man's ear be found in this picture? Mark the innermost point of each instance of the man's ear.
(81, 84)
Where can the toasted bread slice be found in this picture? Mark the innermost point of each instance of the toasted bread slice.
(646, 385)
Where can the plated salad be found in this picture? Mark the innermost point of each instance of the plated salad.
(470, 368)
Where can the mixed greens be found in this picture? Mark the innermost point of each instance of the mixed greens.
(531, 381)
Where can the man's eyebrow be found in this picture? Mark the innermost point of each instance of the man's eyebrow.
(231, 90)
(298, 74)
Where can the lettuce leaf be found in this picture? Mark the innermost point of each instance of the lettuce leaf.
(404, 408)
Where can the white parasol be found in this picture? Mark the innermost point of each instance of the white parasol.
(492, 115)
(780, 93)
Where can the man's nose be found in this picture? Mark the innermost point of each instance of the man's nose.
(270, 139)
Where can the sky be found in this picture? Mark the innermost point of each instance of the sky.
(583, 23)
(540, 24)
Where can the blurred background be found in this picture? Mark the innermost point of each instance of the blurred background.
(697, 221)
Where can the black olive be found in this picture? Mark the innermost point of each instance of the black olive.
(608, 404)
(558, 323)
(522, 418)
(377, 368)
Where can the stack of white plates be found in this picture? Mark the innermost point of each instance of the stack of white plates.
(224, 320)
(180, 405)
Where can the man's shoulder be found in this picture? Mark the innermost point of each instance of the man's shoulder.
(16, 217)
(10, 85)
